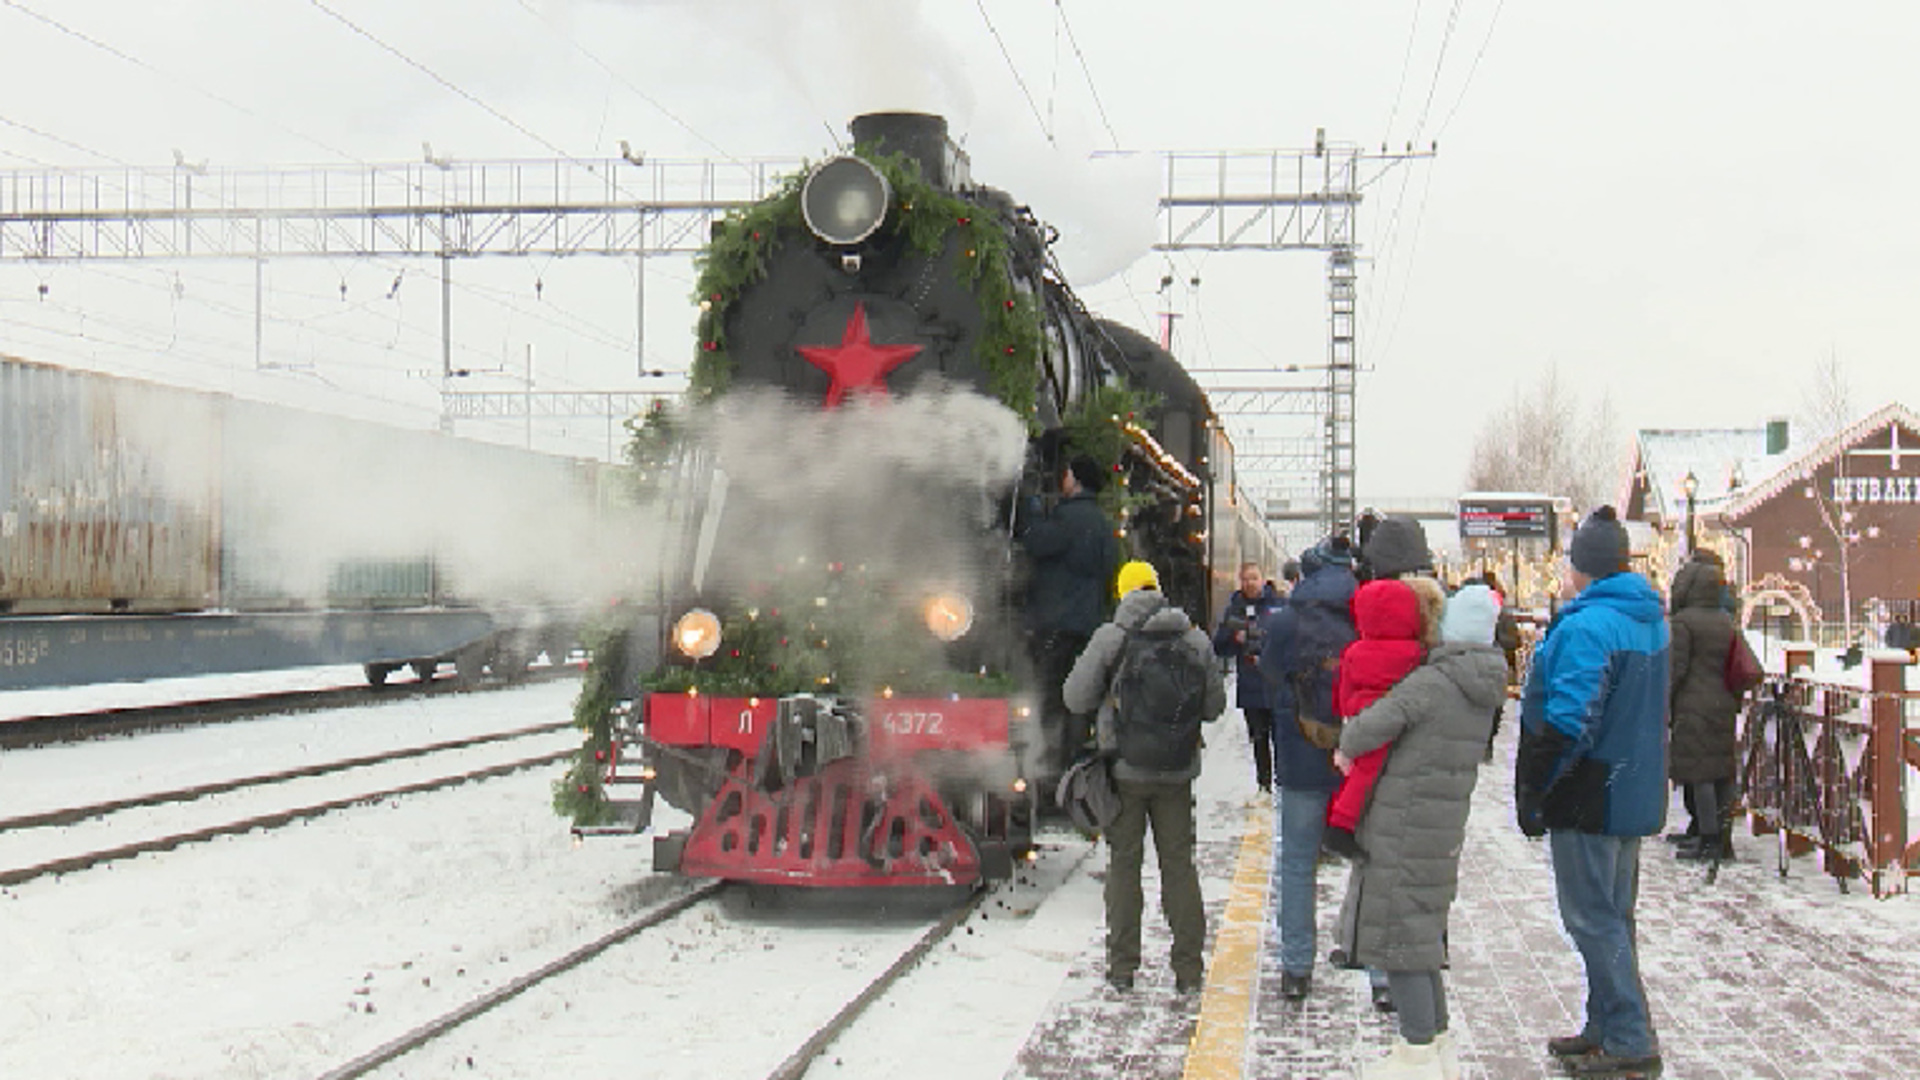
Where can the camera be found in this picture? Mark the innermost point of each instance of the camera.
(1249, 629)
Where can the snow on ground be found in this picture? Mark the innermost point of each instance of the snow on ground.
(55, 701)
(284, 953)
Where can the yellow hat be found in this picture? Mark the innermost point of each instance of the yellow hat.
(1135, 575)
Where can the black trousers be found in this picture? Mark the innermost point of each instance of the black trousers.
(1067, 735)
(1707, 802)
(1260, 730)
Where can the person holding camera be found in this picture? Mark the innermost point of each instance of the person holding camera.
(1238, 636)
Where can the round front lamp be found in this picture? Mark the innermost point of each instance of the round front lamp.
(697, 634)
(844, 200)
(949, 616)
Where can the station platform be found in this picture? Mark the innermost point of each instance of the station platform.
(1757, 975)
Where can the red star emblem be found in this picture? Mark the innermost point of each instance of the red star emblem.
(856, 363)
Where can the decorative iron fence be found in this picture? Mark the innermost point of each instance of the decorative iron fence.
(1825, 767)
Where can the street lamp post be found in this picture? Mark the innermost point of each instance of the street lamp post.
(1690, 484)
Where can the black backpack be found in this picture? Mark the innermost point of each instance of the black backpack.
(1159, 691)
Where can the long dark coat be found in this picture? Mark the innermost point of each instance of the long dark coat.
(1074, 557)
(1701, 708)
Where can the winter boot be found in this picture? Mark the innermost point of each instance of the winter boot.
(1405, 1061)
(1449, 1055)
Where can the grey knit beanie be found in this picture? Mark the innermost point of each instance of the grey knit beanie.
(1397, 547)
(1599, 546)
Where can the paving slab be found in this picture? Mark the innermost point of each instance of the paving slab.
(1756, 975)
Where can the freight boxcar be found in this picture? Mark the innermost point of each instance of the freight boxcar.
(148, 530)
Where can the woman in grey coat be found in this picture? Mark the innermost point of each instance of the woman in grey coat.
(1436, 719)
(1701, 755)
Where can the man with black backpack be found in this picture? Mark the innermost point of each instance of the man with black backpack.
(1304, 639)
(1151, 676)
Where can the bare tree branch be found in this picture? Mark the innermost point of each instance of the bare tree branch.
(1545, 439)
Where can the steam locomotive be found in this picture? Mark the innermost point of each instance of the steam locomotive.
(830, 672)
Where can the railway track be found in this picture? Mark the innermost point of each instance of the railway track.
(807, 1049)
(40, 730)
(793, 1068)
(16, 870)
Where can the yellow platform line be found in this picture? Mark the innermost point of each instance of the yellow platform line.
(1219, 1047)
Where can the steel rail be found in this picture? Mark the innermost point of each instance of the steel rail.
(72, 814)
(18, 875)
(67, 727)
(796, 1065)
(433, 1029)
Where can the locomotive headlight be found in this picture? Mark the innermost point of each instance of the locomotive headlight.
(697, 634)
(949, 616)
(844, 200)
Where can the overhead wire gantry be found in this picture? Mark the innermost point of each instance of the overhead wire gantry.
(632, 206)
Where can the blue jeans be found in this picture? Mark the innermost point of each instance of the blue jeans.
(1597, 880)
(1303, 818)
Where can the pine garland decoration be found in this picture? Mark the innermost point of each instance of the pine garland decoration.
(1009, 345)
(1096, 428)
(653, 441)
(581, 794)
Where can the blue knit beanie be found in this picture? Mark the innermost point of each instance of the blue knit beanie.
(1335, 551)
(1470, 616)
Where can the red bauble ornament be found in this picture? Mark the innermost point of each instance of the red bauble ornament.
(1009, 350)
(716, 298)
(584, 789)
(966, 221)
(756, 236)
(735, 654)
(1009, 305)
(783, 641)
(599, 755)
(710, 346)
(856, 363)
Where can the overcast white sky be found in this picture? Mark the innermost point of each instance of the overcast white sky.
(1685, 207)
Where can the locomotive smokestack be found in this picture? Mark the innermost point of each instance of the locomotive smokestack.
(922, 137)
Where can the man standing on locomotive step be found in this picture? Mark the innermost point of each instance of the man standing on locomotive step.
(1074, 555)
(1162, 798)
(1591, 774)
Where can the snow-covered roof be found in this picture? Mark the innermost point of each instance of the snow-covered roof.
(1724, 462)
(1799, 467)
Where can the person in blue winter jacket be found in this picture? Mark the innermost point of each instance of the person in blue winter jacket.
(1591, 775)
(1238, 636)
(1313, 625)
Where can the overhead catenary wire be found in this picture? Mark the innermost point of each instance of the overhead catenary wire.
(608, 338)
(1011, 66)
(1093, 90)
(1472, 69)
(188, 83)
(1439, 64)
(446, 83)
(51, 137)
(1406, 65)
(622, 79)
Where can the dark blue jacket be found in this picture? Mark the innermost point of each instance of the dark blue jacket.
(1073, 566)
(1593, 720)
(1316, 621)
(1248, 613)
